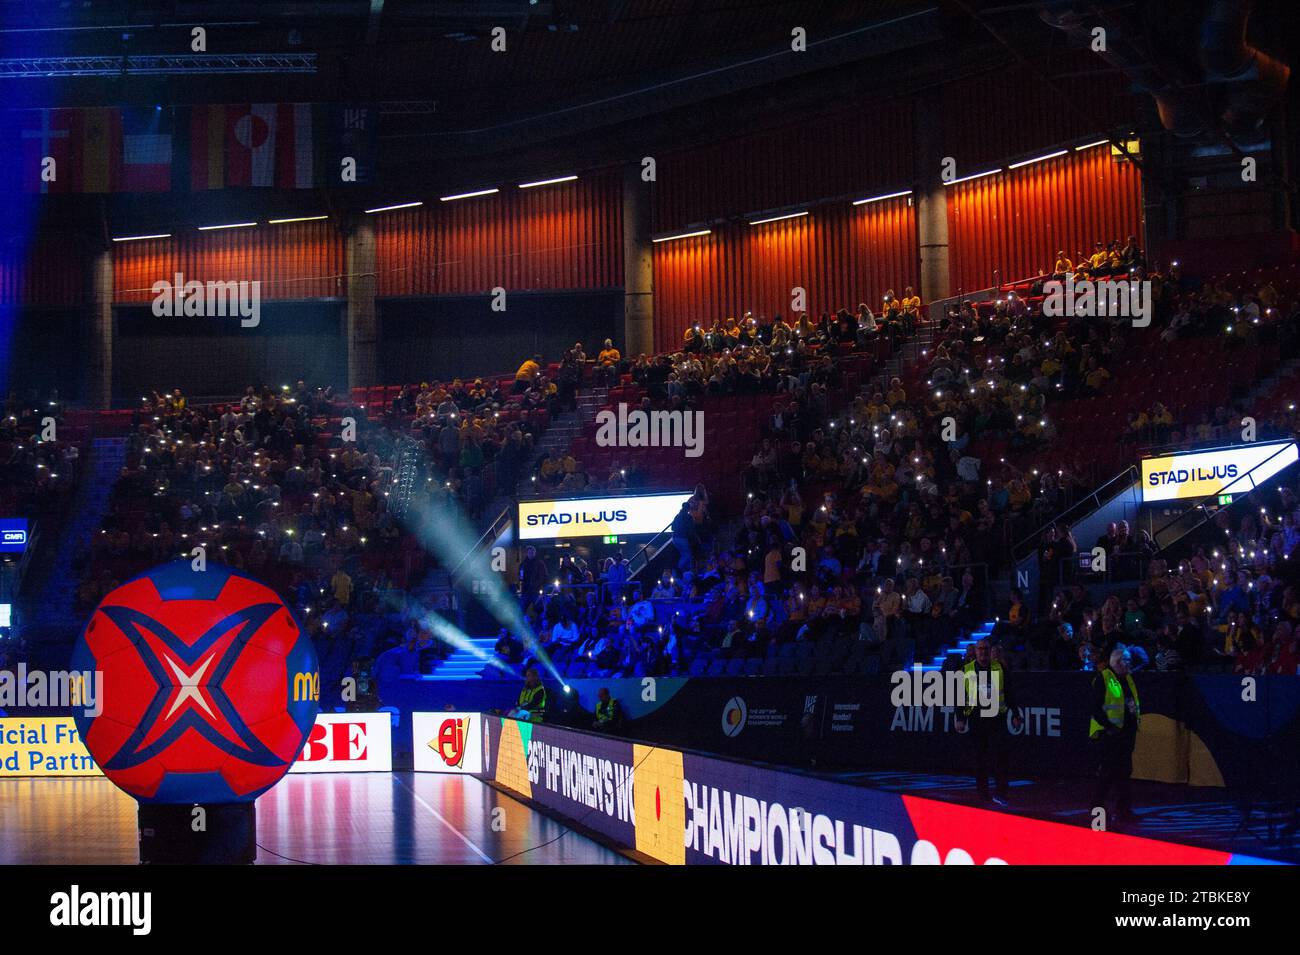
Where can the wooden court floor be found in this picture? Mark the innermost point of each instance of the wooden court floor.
(326, 818)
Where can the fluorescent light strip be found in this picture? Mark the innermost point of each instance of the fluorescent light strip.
(683, 235)
(468, 195)
(295, 219)
(792, 215)
(137, 238)
(400, 205)
(1027, 162)
(546, 182)
(1100, 142)
(978, 175)
(228, 225)
(892, 195)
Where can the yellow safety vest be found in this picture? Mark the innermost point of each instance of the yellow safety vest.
(533, 699)
(972, 685)
(1114, 703)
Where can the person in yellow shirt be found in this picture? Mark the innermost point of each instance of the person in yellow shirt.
(896, 394)
(607, 361)
(341, 584)
(911, 305)
(1063, 266)
(1095, 376)
(526, 373)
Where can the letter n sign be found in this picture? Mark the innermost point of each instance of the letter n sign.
(1022, 579)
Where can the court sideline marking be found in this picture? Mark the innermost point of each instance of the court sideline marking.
(442, 819)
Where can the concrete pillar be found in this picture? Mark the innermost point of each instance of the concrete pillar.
(638, 265)
(929, 196)
(99, 378)
(362, 326)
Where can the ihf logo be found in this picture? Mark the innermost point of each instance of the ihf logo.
(195, 299)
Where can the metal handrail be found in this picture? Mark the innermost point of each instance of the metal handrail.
(1129, 474)
(632, 569)
(492, 532)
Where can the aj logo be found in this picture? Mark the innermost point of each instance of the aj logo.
(450, 744)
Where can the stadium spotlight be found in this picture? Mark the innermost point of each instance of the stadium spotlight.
(682, 235)
(788, 215)
(978, 175)
(400, 205)
(892, 195)
(226, 225)
(546, 182)
(1030, 162)
(468, 195)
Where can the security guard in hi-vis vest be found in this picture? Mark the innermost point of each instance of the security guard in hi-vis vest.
(988, 701)
(531, 705)
(609, 715)
(1113, 729)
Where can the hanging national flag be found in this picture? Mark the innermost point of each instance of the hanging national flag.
(257, 144)
(45, 156)
(146, 150)
(96, 144)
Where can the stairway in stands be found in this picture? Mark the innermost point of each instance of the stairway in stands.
(464, 664)
(958, 649)
(56, 609)
(559, 436)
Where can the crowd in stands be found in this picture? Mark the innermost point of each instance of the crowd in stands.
(39, 461)
(879, 521)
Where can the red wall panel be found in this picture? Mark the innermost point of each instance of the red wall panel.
(1011, 111)
(840, 255)
(855, 153)
(1011, 225)
(47, 271)
(565, 236)
(295, 261)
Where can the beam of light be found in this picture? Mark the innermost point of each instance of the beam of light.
(450, 537)
(137, 238)
(454, 636)
(1100, 142)
(296, 219)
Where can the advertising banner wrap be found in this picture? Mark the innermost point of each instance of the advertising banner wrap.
(43, 746)
(1197, 474)
(683, 808)
(598, 516)
(447, 742)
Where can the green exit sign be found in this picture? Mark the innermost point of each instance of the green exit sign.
(611, 539)
(1225, 498)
